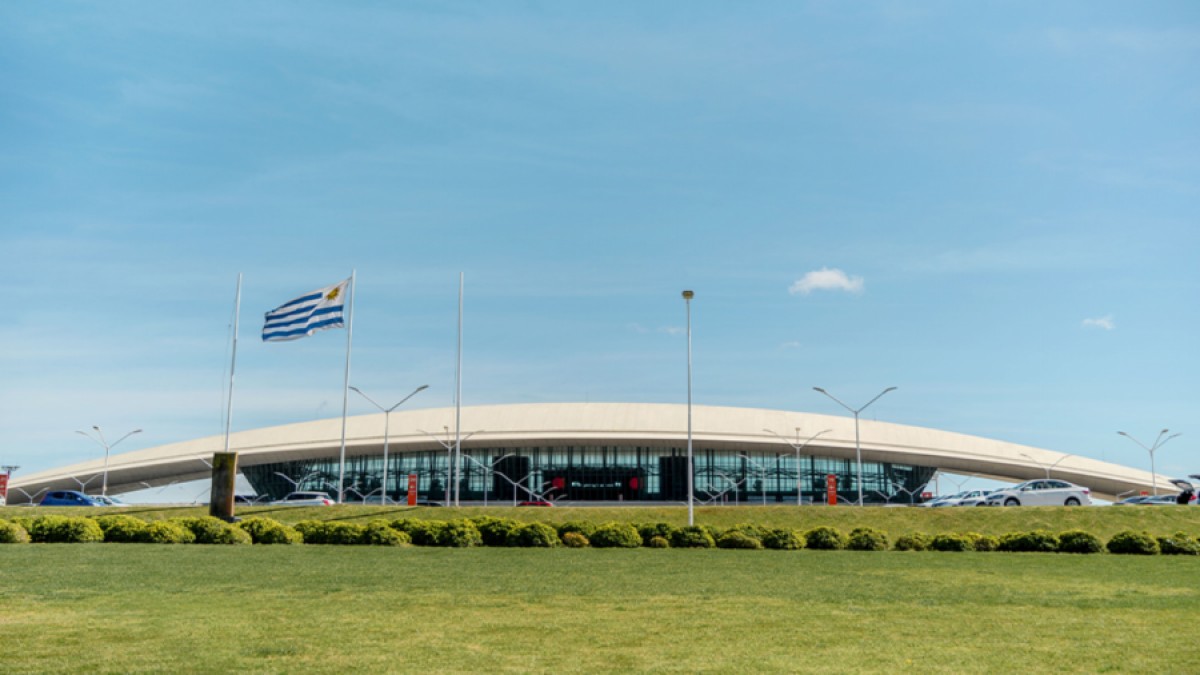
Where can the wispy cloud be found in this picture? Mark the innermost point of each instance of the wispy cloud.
(1105, 322)
(792, 344)
(826, 279)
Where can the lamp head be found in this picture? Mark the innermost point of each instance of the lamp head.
(688, 295)
(819, 389)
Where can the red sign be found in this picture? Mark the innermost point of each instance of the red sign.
(926, 495)
(3, 487)
(412, 489)
(831, 489)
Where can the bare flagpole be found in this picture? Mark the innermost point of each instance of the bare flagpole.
(346, 392)
(237, 311)
(458, 396)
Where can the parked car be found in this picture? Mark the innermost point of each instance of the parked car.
(938, 501)
(961, 498)
(1158, 500)
(1045, 492)
(108, 501)
(1130, 501)
(978, 500)
(305, 499)
(68, 498)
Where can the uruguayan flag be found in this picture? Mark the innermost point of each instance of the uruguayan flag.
(307, 314)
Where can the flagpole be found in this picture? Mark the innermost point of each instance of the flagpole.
(458, 396)
(237, 311)
(346, 392)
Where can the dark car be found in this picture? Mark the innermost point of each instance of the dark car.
(536, 502)
(68, 498)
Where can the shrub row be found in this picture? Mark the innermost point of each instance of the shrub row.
(491, 531)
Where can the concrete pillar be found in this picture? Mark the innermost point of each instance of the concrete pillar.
(224, 476)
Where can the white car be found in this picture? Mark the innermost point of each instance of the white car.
(1044, 492)
(977, 500)
(109, 501)
(937, 501)
(968, 498)
(305, 499)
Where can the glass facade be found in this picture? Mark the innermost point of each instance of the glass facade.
(600, 473)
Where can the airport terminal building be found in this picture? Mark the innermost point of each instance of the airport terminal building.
(590, 452)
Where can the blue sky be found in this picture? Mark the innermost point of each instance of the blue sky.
(992, 206)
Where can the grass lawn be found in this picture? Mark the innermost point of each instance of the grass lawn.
(139, 608)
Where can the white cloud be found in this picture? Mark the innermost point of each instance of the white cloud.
(794, 344)
(1105, 322)
(826, 279)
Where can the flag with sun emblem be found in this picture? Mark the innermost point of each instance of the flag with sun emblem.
(307, 314)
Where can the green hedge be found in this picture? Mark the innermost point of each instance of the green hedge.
(739, 539)
(167, 532)
(12, 533)
(692, 537)
(867, 539)
(575, 540)
(534, 535)
(1179, 544)
(210, 530)
(1078, 541)
(616, 535)
(121, 528)
(1035, 541)
(825, 538)
(65, 530)
(783, 540)
(268, 531)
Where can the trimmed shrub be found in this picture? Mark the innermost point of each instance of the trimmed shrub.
(658, 542)
(495, 531)
(65, 530)
(426, 532)
(867, 539)
(913, 541)
(616, 535)
(739, 539)
(750, 530)
(459, 534)
(825, 538)
(1078, 541)
(121, 528)
(210, 530)
(379, 533)
(268, 531)
(12, 533)
(581, 526)
(166, 532)
(652, 530)
(783, 540)
(692, 536)
(1035, 541)
(534, 535)
(1178, 544)
(575, 540)
(25, 522)
(985, 542)
(1129, 542)
(952, 543)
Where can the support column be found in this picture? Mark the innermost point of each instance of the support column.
(224, 476)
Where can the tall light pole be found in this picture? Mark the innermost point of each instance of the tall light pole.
(1158, 443)
(387, 413)
(99, 439)
(1045, 466)
(857, 445)
(449, 452)
(687, 300)
(798, 446)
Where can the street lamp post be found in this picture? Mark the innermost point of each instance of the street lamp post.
(99, 439)
(762, 473)
(387, 414)
(491, 468)
(798, 446)
(1045, 466)
(687, 300)
(449, 453)
(1158, 443)
(857, 445)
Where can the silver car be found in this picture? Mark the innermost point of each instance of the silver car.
(305, 499)
(1042, 492)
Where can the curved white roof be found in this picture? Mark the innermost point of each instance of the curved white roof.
(641, 424)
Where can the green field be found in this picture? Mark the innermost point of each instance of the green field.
(146, 608)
